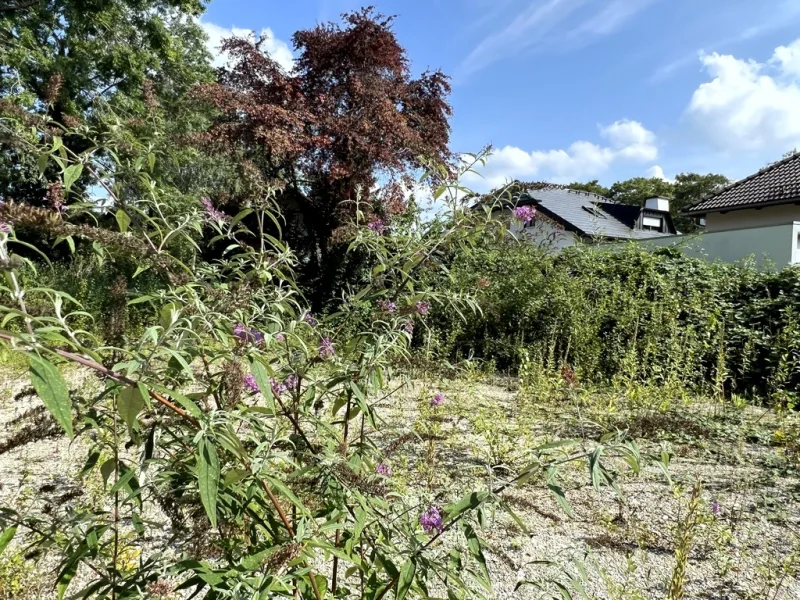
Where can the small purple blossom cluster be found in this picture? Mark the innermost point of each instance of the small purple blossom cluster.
(326, 348)
(715, 509)
(254, 336)
(280, 337)
(524, 214)
(250, 383)
(277, 387)
(5, 227)
(408, 327)
(211, 211)
(431, 520)
(438, 399)
(291, 382)
(309, 318)
(423, 307)
(387, 306)
(383, 469)
(378, 225)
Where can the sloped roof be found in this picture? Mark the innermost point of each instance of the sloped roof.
(589, 214)
(779, 183)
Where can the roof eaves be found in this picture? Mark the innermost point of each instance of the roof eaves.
(692, 212)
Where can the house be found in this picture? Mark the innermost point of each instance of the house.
(573, 215)
(758, 216)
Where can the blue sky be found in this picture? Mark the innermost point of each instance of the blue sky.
(588, 89)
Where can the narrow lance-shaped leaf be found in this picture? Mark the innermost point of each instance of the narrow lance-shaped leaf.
(406, 578)
(129, 404)
(52, 389)
(208, 478)
(5, 538)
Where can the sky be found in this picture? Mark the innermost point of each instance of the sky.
(568, 90)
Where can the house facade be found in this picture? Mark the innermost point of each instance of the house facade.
(566, 217)
(758, 216)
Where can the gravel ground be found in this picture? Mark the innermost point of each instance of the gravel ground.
(626, 544)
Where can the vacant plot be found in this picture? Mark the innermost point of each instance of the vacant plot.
(741, 531)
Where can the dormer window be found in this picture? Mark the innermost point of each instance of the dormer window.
(653, 223)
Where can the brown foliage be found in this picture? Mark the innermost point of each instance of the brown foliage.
(348, 113)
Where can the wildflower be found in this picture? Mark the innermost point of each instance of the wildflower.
(280, 337)
(309, 318)
(250, 383)
(290, 383)
(383, 469)
(437, 400)
(387, 306)
(251, 335)
(715, 510)
(431, 520)
(277, 387)
(524, 214)
(423, 307)
(211, 211)
(408, 327)
(240, 331)
(326, 348)
(377, 225)
(5, 227)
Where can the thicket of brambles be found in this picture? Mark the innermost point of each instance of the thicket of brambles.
(630, 313)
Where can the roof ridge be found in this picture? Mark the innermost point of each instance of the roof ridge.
(735, 184)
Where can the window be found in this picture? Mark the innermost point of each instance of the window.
(652, 223)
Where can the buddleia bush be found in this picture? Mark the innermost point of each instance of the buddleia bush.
(232, 433)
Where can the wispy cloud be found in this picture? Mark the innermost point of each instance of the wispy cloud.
(531, 28)
(787, 13)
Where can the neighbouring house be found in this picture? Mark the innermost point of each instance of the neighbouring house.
(566, 216)
(758, 216)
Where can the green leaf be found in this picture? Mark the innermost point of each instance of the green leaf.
(468, 502)
(561, 498)
(71, 175)
(129, 405)
(261, 375)
(42, 162)
(208, 478)
(123, 220)
(474, 546)
(6, 537)
(66, 576)
(406, 578)
(52, 389)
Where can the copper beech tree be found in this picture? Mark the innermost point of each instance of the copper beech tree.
(348, 115)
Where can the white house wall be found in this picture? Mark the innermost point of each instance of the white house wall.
(547, 235)
(777, 245)
(749, 218)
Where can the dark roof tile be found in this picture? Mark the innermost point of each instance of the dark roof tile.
(779, 183)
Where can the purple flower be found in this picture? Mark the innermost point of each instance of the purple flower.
(524, 214)
(431, 520)
(309, 318)
(715, 510)
(5, 227)
(248, 335)
(408, 327)
(437, 400)
(250, 383)
(377, 225)
(211, 211)
(277, 387)
(280, 337)
(387, 306)
(326, 348)
(290, 383)
(383, 469)
(423, 307)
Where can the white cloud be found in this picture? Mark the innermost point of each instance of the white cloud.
(657, 172)
(749, 105)
(627, 141)
(277, 49)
